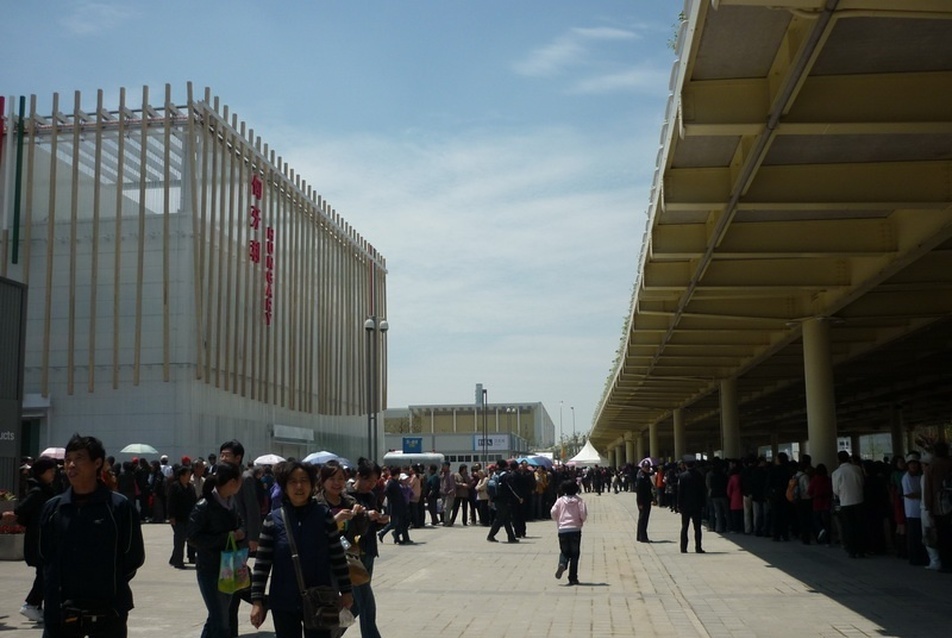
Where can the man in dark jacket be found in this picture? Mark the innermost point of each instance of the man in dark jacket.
(39, 490)
(691, 500)
(181, 500)
(504, 501)
(644, 495)
(778, 475)
(91, 546)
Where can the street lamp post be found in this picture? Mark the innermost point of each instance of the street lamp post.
(574, 440)
(482, 397)
(373, 326)
(509, 412)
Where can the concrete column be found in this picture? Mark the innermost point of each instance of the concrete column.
(639, 446)
(854, 444)
(895, 432)
(821, 402)
(630, 448)
(654, 446)
(775, 446)
(730, 419)
(679, 442)
(619, 455)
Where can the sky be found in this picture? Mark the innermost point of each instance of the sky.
(498, 153)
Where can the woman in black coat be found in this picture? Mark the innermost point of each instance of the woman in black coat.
(28, 515)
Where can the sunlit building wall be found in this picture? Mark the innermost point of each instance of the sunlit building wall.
(186, 286)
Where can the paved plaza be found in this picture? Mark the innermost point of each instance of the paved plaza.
(453, 583)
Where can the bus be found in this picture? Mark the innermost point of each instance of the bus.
(401, 459)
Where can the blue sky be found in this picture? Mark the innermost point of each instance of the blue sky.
(498, 153)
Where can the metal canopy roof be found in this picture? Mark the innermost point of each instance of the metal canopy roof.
(805, 171)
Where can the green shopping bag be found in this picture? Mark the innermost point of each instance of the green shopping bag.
(233, 573)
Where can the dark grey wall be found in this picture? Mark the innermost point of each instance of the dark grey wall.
(12, 329)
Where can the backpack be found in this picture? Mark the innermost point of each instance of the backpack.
(492, 486)
(793, 489)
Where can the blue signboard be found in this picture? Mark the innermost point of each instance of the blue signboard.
(412, 444)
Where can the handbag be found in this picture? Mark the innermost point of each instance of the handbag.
(358, 571)
(233, 573)
(321, 605)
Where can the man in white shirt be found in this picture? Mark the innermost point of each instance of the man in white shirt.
(912, 499)
(848, 482)
(167, 469)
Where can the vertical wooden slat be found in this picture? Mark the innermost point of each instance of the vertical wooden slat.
(166, 235)
(320, 343)
(307, 301)
(241, 230)
(204, 258)
(140, 245)
(287, 289)
(315, 305)
(73, 232)
(340, 271)
(297, 300)
(190, 166)
(301, 299)
(281, 289)
(50, 244)
(30, 133)
(211, 183)
(228, 364)
(281, 282)
(94, 262)
(117, 257)
(221, 142)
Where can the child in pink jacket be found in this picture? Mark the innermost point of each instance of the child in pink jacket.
(569, 513)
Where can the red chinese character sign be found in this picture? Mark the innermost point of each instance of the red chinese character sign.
(254, 246)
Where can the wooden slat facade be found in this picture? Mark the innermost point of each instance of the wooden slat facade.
(137, 230)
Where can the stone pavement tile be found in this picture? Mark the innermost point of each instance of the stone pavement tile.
(453, 584)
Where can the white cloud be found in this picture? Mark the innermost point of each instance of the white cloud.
(94, 18)
(510, 256)
(571, 49)
(577, 56)
(641, 79)
(552, 58)
(605, 33)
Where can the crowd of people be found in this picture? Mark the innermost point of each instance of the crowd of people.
(901, 506)
(338, 515)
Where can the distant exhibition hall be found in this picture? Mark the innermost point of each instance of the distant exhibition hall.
(184, 285)
(795, 281)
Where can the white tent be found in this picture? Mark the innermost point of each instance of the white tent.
(588, 455)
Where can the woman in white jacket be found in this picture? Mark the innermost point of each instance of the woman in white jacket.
(569, 513)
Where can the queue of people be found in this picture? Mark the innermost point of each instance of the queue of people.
(901, 507)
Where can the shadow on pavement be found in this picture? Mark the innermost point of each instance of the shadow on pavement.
(883, 588)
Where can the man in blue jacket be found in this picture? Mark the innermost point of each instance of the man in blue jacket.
(91, 546)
